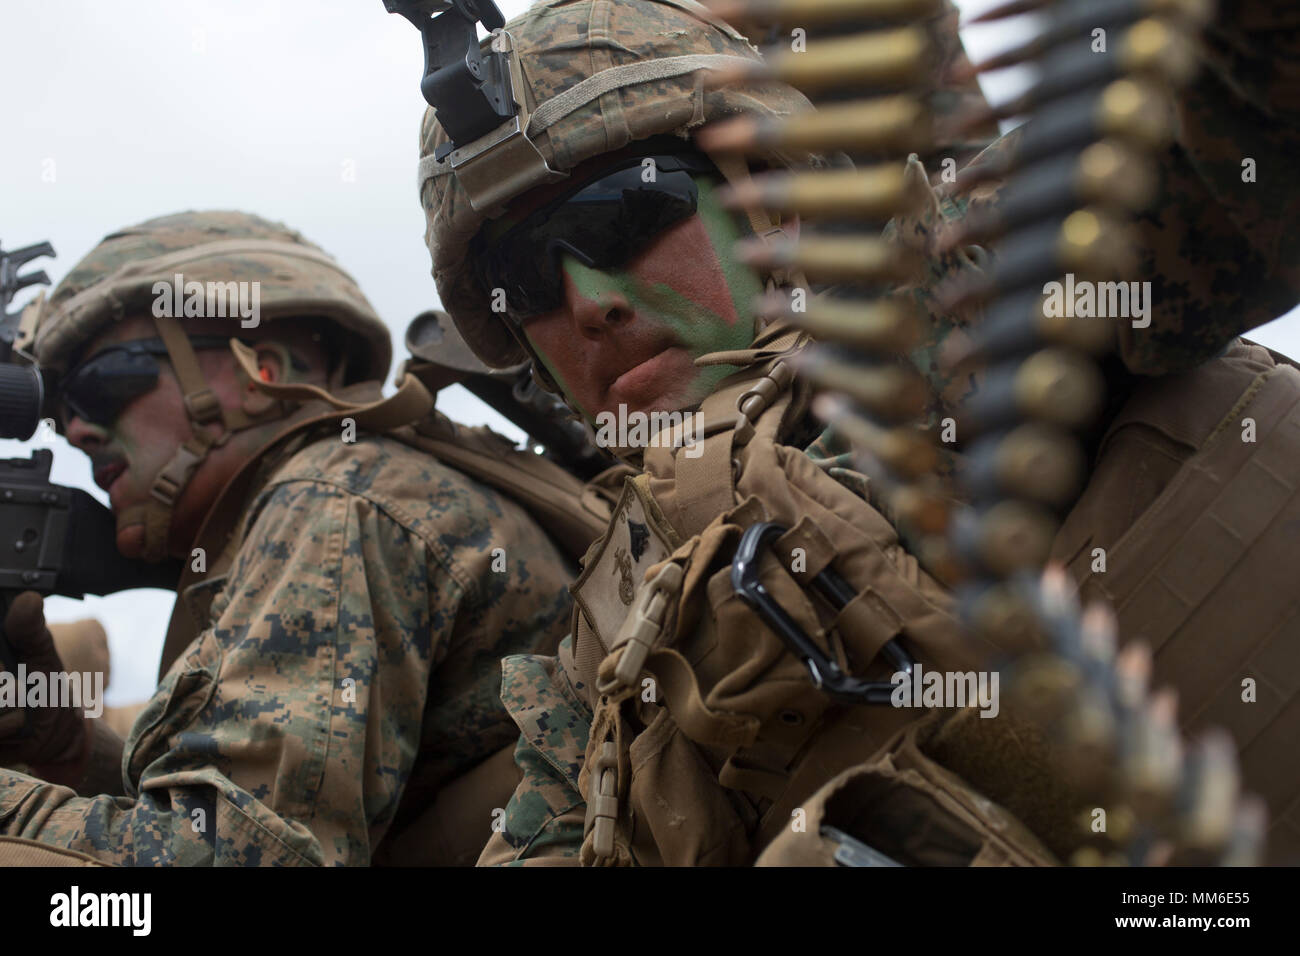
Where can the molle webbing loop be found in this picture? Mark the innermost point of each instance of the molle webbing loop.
(701, 485)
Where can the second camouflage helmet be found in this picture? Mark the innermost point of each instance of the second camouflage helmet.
(597, 75)
(295, 278)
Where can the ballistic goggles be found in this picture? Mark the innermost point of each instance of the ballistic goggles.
(100, 388)
(602, 223)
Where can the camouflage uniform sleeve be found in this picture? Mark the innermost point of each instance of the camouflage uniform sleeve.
(544, 819)
(286, 732)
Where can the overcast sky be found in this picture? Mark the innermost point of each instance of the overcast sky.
(304, 111)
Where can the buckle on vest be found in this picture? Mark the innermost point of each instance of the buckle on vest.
(602, 803)
(825, 671)
(642, 626)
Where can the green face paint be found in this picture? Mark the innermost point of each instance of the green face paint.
(685, 288)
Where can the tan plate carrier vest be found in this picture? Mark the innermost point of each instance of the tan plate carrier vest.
(708, 733)
(1194, 502)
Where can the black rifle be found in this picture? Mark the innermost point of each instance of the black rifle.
(442, 358)
(53, 539)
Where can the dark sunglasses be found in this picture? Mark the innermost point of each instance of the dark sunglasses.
(602, 223)
(99, 388)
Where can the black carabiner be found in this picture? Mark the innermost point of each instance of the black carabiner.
(825, 672)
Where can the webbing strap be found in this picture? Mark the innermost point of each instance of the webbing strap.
(704, 486)
(777, 339)
(736, 170)
(410, 403)
(617, 77)
(200, 402)
(17, 851)
(680, 685)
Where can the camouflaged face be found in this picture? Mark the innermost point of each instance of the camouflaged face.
(611, 33)
(116, 280)
(561, 43)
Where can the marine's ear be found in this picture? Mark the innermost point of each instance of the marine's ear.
(274, 367)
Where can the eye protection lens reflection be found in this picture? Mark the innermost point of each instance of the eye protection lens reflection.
(603, 223)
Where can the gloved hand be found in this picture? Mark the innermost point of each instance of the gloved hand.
(39, 736)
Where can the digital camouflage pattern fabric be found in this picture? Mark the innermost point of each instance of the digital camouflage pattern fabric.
(295, 278)
(349, 668)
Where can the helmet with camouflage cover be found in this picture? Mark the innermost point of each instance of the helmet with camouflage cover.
(595, 76)
(117, 280)
(295, 277)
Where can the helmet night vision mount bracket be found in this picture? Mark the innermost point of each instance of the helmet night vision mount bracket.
(479, 99)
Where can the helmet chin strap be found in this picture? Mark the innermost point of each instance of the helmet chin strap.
(203, 408)
(735, 171)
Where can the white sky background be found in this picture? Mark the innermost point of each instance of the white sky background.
(303, 111)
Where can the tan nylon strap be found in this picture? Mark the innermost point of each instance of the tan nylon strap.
(544, 487)
(704, 485)
(173, 477)
(17, 851)
(736, 170)
(588, 651)
(410, 403)
(200, 402)
(777, 339)
(606, 832)
(156, 513)
(617, 77)
(593, 88)
(601, 51)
